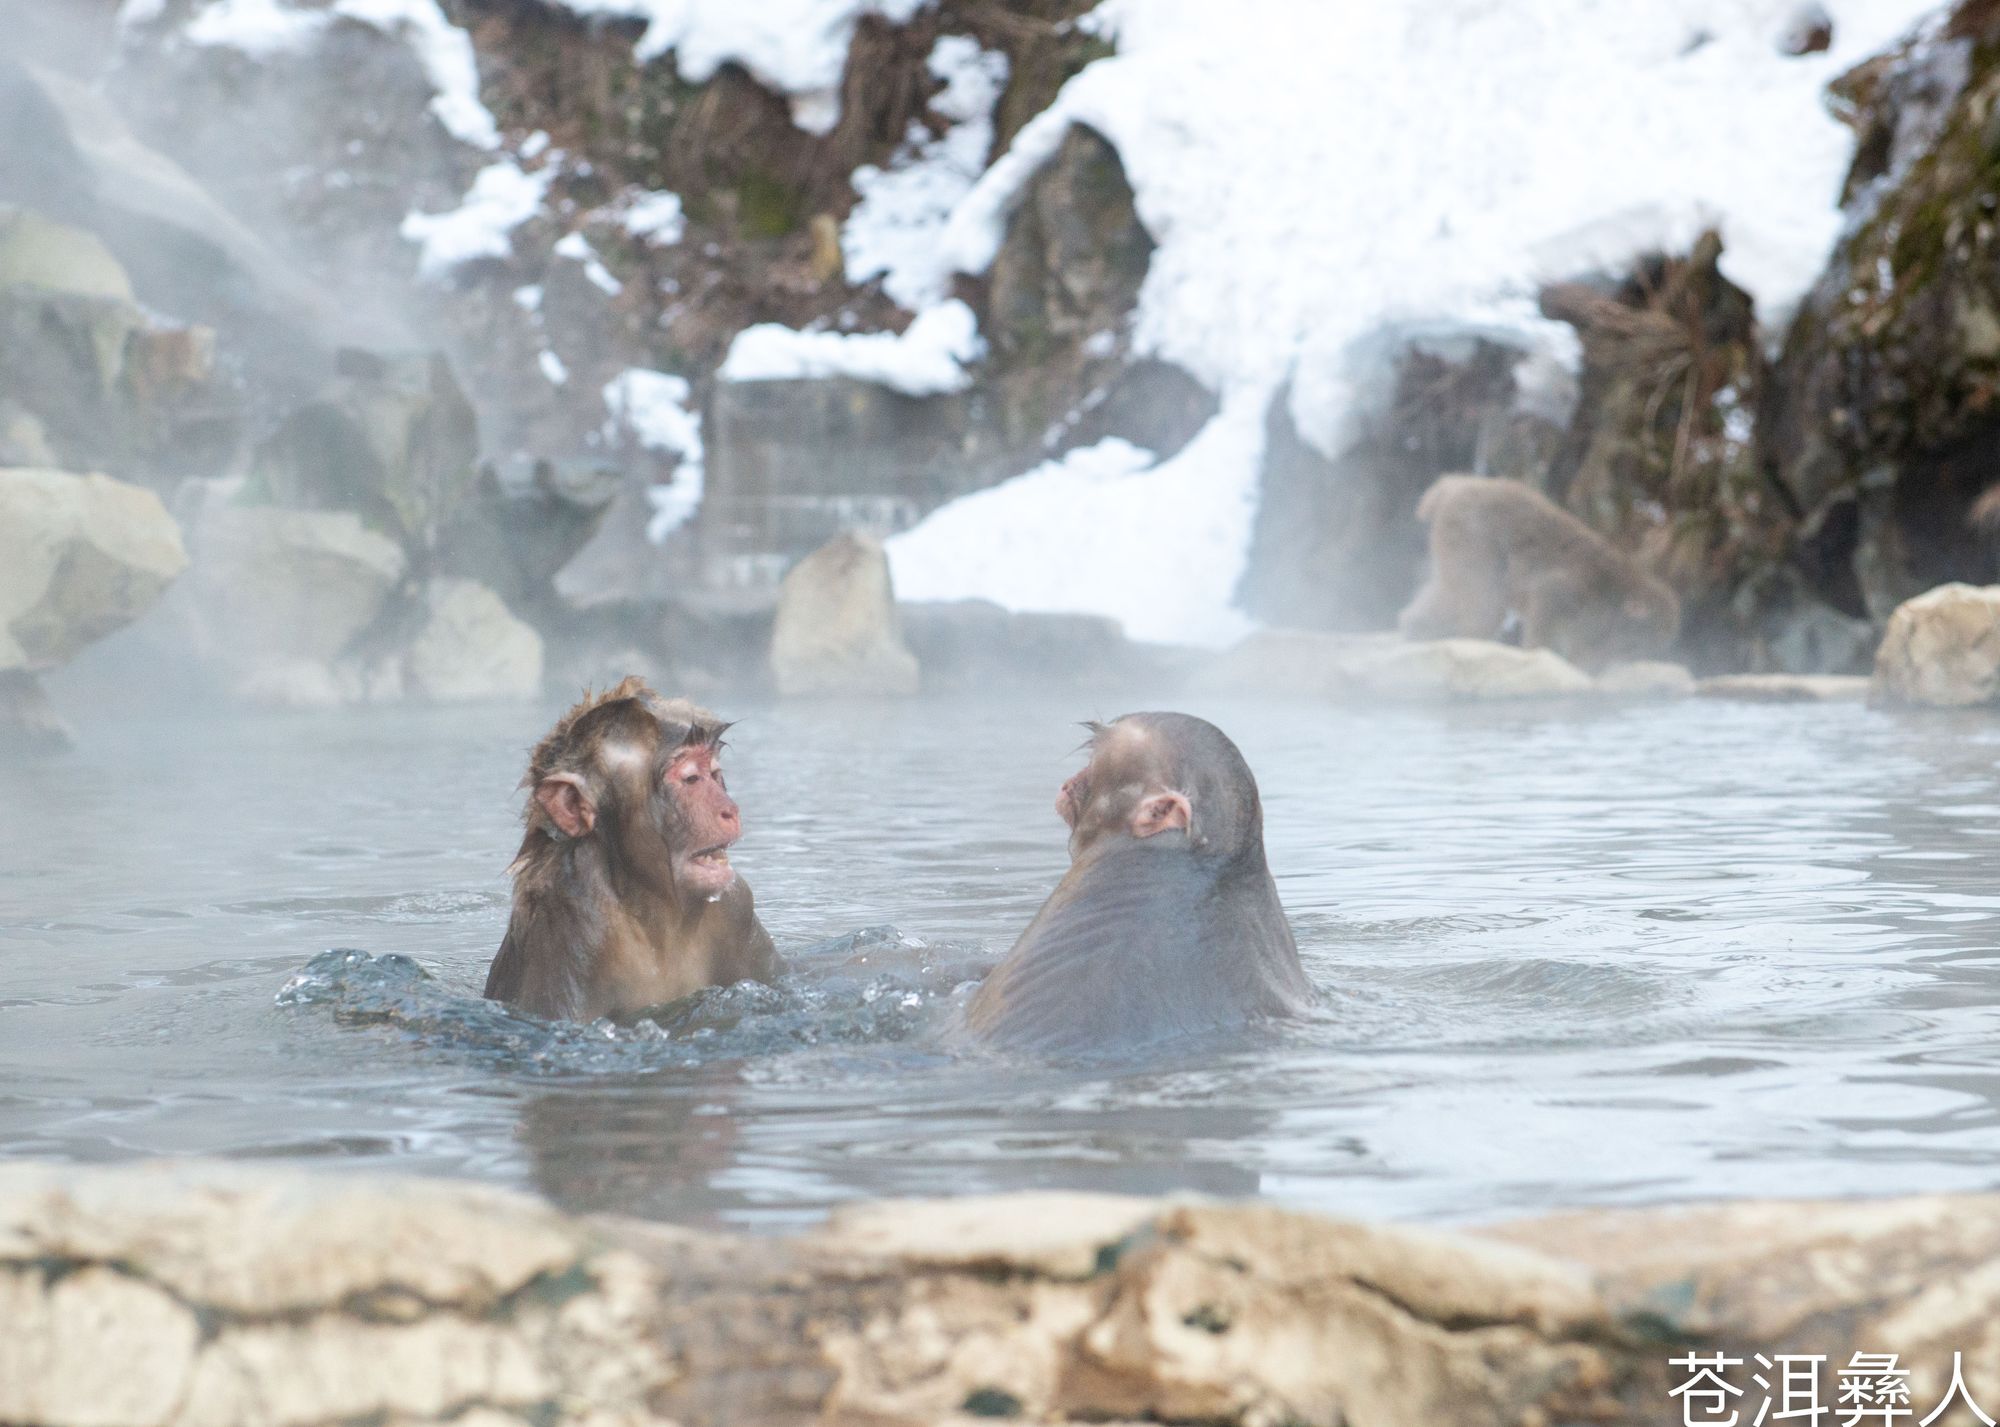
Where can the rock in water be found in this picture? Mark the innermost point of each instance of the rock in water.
(471, 647)
(80, 556)
(274, 585)
(1308, 664)
(1942, 648)
(836, 630)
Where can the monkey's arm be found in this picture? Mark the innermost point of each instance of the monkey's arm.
(503, 979)
(759, 959)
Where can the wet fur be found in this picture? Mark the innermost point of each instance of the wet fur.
(586, 937)
(1498, 548)
(1146, 940)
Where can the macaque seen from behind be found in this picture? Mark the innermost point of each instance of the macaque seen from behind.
(1498, 548)
(623, 893)
(1167, 922)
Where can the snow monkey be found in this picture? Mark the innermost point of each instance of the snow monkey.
(623, 893)
(1167, 922)
(1500, 550)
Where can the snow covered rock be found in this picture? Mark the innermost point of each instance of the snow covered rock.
(469, 647)
(1942, 648)
(836, 629)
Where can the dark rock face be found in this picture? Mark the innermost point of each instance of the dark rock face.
(1880, 427)
(1056, 307)
(1337, 544)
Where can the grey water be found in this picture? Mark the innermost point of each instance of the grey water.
(1608, 955)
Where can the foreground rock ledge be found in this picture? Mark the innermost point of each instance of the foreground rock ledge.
(206, 1294)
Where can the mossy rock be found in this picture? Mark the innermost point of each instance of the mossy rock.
(41, 253)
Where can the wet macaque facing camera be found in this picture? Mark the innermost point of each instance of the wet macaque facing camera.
(1501, 552)
(624, 896)
(1167, 923)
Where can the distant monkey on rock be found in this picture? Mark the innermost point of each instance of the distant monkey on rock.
(623, 893)
(1500, 551)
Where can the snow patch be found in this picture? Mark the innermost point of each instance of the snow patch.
(656, 218)
(1325, 180)
(500, 200)
(1165, 541)
(257, 28)
(926, 359)
(653, 408)
(894, 229)
(797, 47)
(577, 247)
(553, 368)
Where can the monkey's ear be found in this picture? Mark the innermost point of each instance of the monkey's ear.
(1162, 812)
(562, 797)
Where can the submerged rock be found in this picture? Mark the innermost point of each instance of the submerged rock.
(229, 1295)
(964, 645)
(836, 629)
(1785, 688)
(1942, 648)
(1305, 663)
(1646, 679)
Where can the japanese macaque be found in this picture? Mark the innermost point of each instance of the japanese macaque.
(623, 893)
(1167, 922)
(1501, 552)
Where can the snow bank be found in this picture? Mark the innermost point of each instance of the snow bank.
(797, 47)
(926, 359)
(501, 199)
(260, 28)
(653, 408)
(895, 228)
(1319, 176)
(1157, 547)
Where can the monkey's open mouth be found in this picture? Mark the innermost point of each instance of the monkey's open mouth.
(716, 856)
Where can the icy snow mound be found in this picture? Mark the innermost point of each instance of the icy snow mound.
(1319, 175)
(926, 359)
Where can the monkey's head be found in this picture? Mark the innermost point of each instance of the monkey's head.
(642, 775)
(1169, 780)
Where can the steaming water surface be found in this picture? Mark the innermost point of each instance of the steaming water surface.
(1603, 956)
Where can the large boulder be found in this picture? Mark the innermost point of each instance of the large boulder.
(836, 630)
(1942, 648)
(88, 377)
(470, 647)
(272, 586)
(80, 556)
(393, 437)
(238, 1295)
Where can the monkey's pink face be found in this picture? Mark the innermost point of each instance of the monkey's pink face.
(709, 822)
